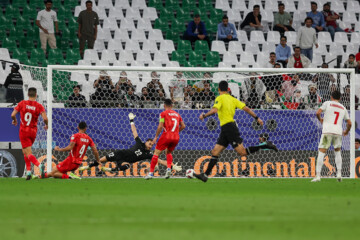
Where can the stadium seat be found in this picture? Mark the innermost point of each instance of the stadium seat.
(271, 5)
(161, 24)
(177, 25)
(101, 12)
(121, 35)
(324, 37)
(304, 6)
(242, 36)
(235, 47)
(105, 4)
(17, 33)
(12, 12)
(155, 34)
(72, 56)
(110, 23)
(166, 14)
(338, 7)
(150, 46)
(132, 46)
(19, 54)
(234, 16)
(355, 36)
(222, 4)
(336, 49)
(317, 60)
(329, 57)
(126, 56)
(268, 47)
(173, 64)
(341, 38)
(144, 57)
(91, 55)
(289, 5)
(291, 37)
(156, 4)
(99, 45)
(273, 37)
(114, 45)
(4, 54)
(257, 36)
(239, 5)
(132, 13)
(216, 15)
(167, 46)
(255, 2)
(205, 4)
(150, 13)
(104, 34)
(55, 54)
(252, 47)
(161, 57)
(36, 4)
(213, 58)
(179, 57)
(247, 57)
(352, 6)
(26, 43)
(230, 57)
(352, 48)
(172, 5)
(108, 55)
(122, 4)
(77, 10)
(211, 25)
(37, 54)
(183, 15)
(116, 13)
(321, 50)
(218, 46)
(138, 35)
(138, 4)
(188, 5)
(201, 47)
(172, 35)
(9, 43)
(144, 24)
(184, 46)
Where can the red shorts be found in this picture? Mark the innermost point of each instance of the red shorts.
(165, 143)
(27, 137)
(67, 165)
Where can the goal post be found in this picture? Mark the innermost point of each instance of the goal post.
(192, 157)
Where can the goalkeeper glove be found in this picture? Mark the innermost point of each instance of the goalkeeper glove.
(131, 117)
(176, 167)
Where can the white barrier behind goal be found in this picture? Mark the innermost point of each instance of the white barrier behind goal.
(288, 112)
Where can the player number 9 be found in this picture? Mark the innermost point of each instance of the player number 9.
(28, 117)
(82, 150)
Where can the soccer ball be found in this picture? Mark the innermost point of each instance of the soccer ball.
(190, 173)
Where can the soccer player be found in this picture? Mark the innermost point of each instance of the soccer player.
(140, 151)
(172, 123)
(334, 114)
(29, 114)
(79, 143)
(225, 106)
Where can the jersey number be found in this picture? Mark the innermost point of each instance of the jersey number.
(82, 150)
(175, 124)
(138, 152)
(28, 117)
(337, 117)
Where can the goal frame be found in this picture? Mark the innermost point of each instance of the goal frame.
(49, 96)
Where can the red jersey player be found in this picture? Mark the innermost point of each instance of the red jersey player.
(29, 114)
(169, 122)
(79, 143)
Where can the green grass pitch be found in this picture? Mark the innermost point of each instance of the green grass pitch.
(179, 209)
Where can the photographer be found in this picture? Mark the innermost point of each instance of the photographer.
(14, 85)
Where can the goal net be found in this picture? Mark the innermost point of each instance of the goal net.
(286, 100)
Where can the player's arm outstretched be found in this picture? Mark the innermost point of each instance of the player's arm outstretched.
(251, 113)
(13, 117)
(65, 149)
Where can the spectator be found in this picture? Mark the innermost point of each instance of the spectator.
(14, 85)
(289, 87)
(273, 84)
(252, 21)
(282, 20)
(196, 30)
(345, 98)
(45, 21)
(330, 19)
(145, 95)
(283, 52)
(104, 90)
(357, 144)
(253, 91)
(177, 88)
(351, 63)
(154, 86)
(271, 63)
(189, 97)
(323, 81)
(357, 58)
(306, 38)
(318, 20)
(313, 99)
(333, 87)
(76, 100)
(297, 98)
(206, 97)
(199, 85)
(123, 84)
(87, 32)
(132, 100)
(226, 31)
(298, 60)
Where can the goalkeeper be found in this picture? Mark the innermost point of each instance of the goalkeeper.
(124, 157)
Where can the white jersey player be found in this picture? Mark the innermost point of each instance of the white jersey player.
(332, 132)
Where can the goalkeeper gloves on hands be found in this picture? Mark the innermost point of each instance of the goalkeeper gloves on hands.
(131, 117)
(176, 167)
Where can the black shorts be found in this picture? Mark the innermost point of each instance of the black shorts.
(117, 156)
(229, 135)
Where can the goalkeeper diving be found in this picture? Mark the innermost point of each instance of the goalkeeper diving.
(124, 157)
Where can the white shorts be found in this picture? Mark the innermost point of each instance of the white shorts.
(328, 139)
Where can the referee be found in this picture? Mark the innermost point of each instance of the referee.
(225, 106)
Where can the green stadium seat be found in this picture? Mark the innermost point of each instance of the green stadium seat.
(37, 54)
(211, 25)
(6, 22)
(26, 43)
(207, 64)
(72, 22)
(201, 13)
(66, 62)
(172, 5)
(213, 58)
(62, 43)
(22, 22)
(195, 58)
(31, 62)
(74, 43)
(205, 5)
(37, 4)
(12, 12)
(177, 25)
(188, 5)
(2, 33)
(55, 54)
(29, 13)
(166, 13)
(201, 47)
(183, 15)
(177, 56)
(172, 35)
(184, 46)
(73, 55)
(9, 43)
(216, 15)
(32, 33)
(156, 4)
(19, 3)
(70, 4)
(20, 54)
(161, 24)
(191, 64)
